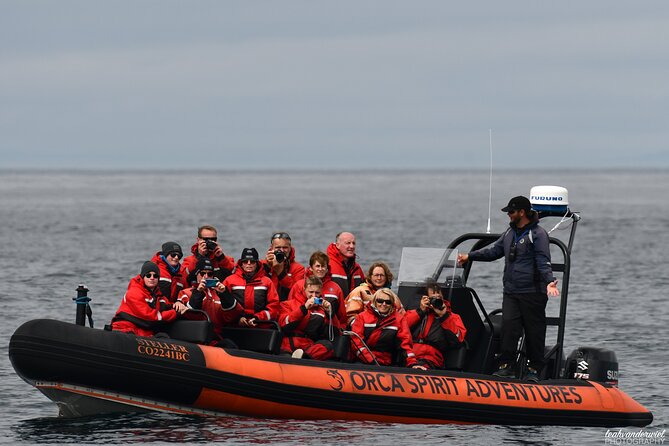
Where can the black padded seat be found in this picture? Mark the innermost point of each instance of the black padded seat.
(198, 332)
(262, 340)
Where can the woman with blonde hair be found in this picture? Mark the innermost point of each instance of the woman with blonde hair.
(380, 333)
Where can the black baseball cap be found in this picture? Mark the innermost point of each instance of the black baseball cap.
(518, 203)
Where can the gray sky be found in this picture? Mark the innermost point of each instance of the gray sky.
(365, 84)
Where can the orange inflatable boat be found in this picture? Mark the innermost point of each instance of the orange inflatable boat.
(89, 371)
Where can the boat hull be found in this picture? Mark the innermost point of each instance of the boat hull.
(92, 371)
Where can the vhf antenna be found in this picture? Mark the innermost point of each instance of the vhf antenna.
(490, 194)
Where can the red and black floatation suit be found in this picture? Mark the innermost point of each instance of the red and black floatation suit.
(346, 272)
(256, 294)
(386, 336)
(433, 336)
(172, 280)
(223, 266)
(292, 272)
(142, 311)
(309, 329)
(331, 292)
(222, 308)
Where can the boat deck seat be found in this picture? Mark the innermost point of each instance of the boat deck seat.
(342, 347)
(198, 332)
(262, 340)
(456, 357)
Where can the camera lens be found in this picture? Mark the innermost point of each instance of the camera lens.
(437, 302)
(279, 256)
(211, 246)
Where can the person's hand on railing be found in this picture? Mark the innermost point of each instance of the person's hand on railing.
(179, 307)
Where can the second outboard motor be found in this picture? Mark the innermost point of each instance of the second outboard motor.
(594, 364)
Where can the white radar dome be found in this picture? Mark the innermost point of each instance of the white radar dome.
(550, 199)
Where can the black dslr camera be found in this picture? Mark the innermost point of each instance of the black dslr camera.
(437, 302)
(279, 255)
(210, 244)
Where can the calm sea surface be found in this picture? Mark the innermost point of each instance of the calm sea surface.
(60, 229)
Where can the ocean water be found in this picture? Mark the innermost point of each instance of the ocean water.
(59, 229)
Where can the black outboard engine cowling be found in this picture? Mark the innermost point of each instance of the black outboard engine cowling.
(594, 364)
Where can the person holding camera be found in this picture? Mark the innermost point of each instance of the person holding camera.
(528, 281)
(434, 328)
(319, 267)
(172, 277)
(346, 272)
(306, 320)
(207, 247)
(253, 290)
(144, 311)
(210, 295)
(381, 334)
(280, 264)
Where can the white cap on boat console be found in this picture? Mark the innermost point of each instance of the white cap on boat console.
(549, 199)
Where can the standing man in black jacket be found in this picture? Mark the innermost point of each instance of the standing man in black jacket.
(528, 281)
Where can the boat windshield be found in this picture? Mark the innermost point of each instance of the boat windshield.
(419, 264)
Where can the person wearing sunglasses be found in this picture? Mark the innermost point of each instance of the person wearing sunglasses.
(210, 295)
(253, 290)
(528, 281)
(378, 276)
(346, 272)
(384, 331)
(172, 280)
(434, 328)
(280, 264)
(207, 247)
(144, 311)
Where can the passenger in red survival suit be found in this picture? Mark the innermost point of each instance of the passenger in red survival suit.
(434, 328)
(144, 310)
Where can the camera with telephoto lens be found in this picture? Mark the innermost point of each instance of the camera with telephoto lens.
(279, 255)
(318, 301)
(437, 302)
(210, 244)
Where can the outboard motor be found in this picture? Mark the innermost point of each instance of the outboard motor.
(594, 364)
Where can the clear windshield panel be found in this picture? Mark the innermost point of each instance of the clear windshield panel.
(418, 264)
